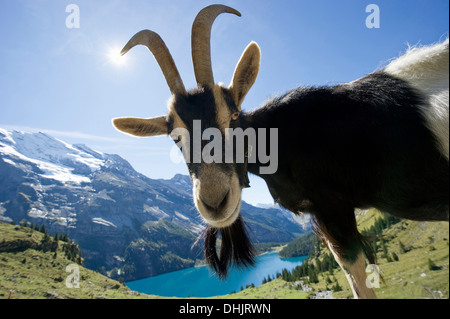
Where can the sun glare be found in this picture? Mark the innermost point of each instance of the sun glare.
(115, 57)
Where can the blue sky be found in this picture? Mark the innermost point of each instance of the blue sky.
(63, 81)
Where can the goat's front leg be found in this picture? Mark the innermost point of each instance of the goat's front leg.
(355, 271)
(340, 234)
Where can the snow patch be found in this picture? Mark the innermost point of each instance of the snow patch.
(155, 211)
(103, 222)
(8, 161)
(181, 216)
(2, 210)
(62, 174)
(37, 213)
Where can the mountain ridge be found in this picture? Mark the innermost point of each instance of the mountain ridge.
(110, 209)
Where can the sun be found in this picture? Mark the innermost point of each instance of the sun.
(115, 57)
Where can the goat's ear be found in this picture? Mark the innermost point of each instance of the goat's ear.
(246, 73)
(142, 127)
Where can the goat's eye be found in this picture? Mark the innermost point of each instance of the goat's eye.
(235, 116)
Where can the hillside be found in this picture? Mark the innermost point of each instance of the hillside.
(415, 244)
(33, 266)
(413, 258)
(301, 246)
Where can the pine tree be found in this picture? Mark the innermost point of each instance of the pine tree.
(337, 287)
(402, 247)
(43, 230)
(395, 256)
(384, 249)
(65, 238)
(318, 265)
(313, 276)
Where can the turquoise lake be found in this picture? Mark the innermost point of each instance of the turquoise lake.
(201, 281)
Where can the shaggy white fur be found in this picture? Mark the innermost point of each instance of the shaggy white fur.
(427, 70)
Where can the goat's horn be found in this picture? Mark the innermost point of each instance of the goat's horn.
(201, 42)
(162, 55)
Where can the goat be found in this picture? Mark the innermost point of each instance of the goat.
(381, 141)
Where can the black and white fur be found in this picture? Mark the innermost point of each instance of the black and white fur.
(381, 141)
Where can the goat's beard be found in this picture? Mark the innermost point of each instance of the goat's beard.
(236, 248)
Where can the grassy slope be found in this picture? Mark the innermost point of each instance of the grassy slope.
(276, 289)
(35, 274)
(408, 278)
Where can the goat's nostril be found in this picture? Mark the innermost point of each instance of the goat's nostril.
(206, 204)
(215, 205)
(224, 200)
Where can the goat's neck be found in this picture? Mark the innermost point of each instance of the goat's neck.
(262, 118)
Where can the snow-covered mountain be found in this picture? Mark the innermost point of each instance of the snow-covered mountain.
(56, 159)
(121, 219)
